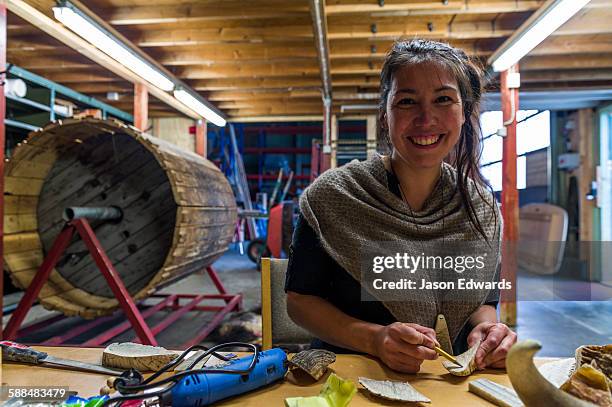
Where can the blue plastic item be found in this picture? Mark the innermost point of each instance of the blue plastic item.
(206, 388)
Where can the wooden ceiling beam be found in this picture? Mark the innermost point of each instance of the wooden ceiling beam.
(38, 39)
(412, 7)
(78, 76)
(286, 110)
(274, 105)
(568, 85)
(262, 94)
(356, 67)
(276, 118)
(177, 13)
(256, 70)
(589, 20)
(286, 83)
(198, 12)
(357, 96)
(576, 44)
(354, 49)
(236, 52)
(253, 70)
(127, 103)
(163, 113)
(564, 62)
(28, 49)
(95, 88)
(51, 63)
(19, 46)
(461, 30)
(282, 33)
(203, 35)
(577, 75)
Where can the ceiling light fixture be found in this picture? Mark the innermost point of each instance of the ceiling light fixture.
(544, 22)
(86, 27)
(194, 103)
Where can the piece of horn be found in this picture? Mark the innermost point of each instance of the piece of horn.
(532, 388)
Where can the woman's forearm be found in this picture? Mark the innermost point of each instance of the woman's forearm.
(331, 325)
(485, 313)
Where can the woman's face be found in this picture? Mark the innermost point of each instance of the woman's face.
(424, 114)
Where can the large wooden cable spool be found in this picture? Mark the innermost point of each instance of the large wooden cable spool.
(178, 210)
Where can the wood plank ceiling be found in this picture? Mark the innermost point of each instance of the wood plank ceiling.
(258, 57)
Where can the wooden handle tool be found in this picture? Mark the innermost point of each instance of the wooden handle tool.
(445, 355)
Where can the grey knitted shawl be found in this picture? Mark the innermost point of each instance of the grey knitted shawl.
(352, 210)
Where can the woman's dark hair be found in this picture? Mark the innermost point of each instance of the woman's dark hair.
(470, 78)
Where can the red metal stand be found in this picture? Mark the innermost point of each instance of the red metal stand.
(136, 319)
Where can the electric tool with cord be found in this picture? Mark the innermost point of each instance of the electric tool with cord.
(200, 387)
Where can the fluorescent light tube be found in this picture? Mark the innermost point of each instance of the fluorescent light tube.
(346, 108)
(557, 14)
(111, 46)
(193, 103)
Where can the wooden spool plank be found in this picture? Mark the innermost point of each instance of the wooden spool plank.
(31, 169)
(213, 196)
(178, 263)
(23, 278)
(192, 236)
(185, 252)
(190, 168)
(56, 292)
(217, 216)
(21, 242)
(22, 186)
(204, 232)
(20, 223)
(31, 152)
(19, 204)
(55, 279)
(23, 260)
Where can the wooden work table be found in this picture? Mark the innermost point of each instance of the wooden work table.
(433, 381)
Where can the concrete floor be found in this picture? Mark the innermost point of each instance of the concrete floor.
(561, 326)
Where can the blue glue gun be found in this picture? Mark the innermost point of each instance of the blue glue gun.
(201, 389)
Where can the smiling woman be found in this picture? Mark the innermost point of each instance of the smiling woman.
(428, 192)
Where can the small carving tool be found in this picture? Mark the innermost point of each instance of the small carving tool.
(445, 355)
(16, 352)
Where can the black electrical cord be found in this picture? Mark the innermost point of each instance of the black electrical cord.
(124, 388)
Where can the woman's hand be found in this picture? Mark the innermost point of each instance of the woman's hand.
(496, 339)
(404, 346)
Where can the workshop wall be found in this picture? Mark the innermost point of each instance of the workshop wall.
(175, 130)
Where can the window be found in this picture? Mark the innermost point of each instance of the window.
(532, 134)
